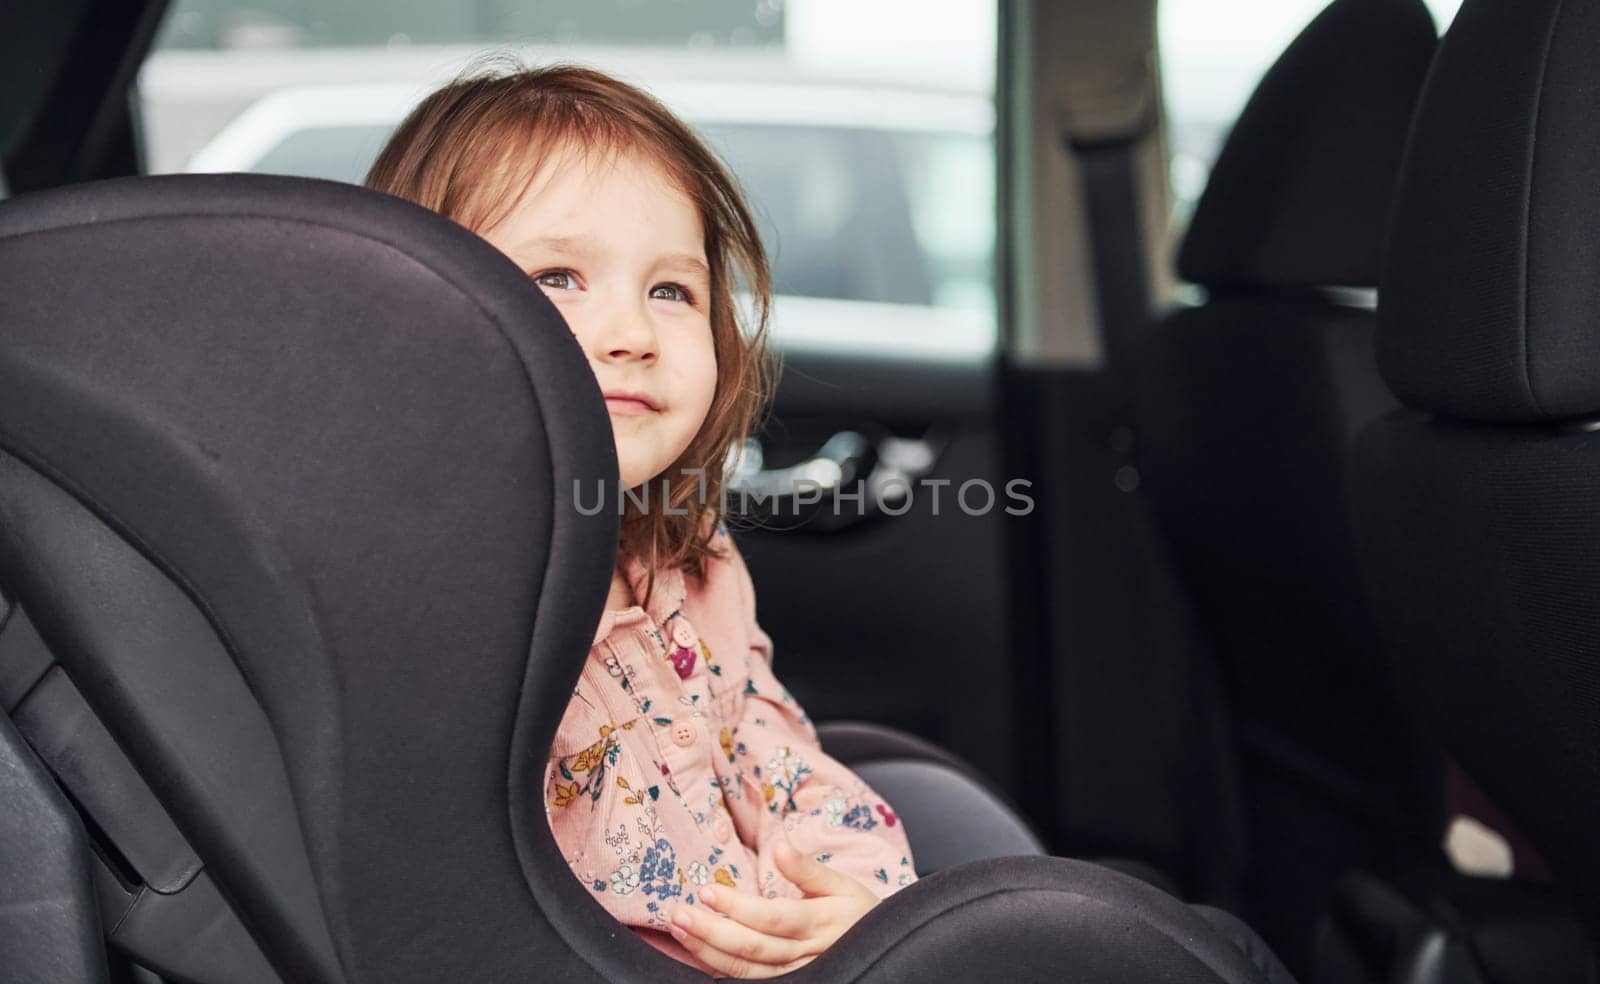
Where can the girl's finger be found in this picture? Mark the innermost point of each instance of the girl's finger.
(728, 965)
(810, 875)
(735, 940)
(778, 917)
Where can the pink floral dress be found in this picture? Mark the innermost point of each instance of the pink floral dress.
(681, 755)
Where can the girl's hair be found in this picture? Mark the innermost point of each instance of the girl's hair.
(471, 150)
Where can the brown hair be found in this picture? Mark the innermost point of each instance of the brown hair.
(471, 149)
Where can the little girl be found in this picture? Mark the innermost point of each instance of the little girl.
(685, 783)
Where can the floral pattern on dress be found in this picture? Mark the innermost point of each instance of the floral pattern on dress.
(691, 779)
(786, 770)
(593, 762)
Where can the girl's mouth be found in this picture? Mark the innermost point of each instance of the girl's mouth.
(628, 405)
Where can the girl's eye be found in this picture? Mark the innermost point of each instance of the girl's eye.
(556, 280)
(671, 292)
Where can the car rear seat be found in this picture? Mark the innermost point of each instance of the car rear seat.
(1248, 405)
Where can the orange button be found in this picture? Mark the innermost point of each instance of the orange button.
(683, 734)
(724, 830)
(683, 635)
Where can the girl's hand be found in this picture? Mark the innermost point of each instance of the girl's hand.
(767, 937)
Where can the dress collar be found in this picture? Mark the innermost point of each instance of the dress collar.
(665, 602)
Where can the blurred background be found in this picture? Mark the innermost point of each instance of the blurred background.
(865, 134)
(863, 131)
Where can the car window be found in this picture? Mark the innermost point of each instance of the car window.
(1213, 52)
(848, 214)
(229, 24)
(335, 153)
(863, 134)
(870, 215)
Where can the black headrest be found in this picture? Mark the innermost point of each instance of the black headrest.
(1491, 291)
(1300, 195)
(349, 431)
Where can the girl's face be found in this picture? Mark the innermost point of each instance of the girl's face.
(620, 251)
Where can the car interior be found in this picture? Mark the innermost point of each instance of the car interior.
(1274, 670)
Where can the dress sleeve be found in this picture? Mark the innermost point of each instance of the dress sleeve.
(793, 788)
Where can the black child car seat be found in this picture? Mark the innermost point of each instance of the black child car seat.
(296, 596)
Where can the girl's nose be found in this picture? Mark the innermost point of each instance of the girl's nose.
(626, 333)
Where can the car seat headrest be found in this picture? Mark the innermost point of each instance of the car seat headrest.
(1300, 193)
(1490, 300)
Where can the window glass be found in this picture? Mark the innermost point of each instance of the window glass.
(862, 133)
(1213, 52)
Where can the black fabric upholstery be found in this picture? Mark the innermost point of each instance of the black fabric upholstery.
(326, 416)
(953, 816)
(1484, 555)
(949, 819)
(1039, 920)
(1300, 192)
(49, 929)
(859, 742)
(1248, 407)
(1440, 925)
(1249, 943)
(129, 662)
(1491, 303)
(324, 444)
(1478, 516)
(1251, 406)
(952, 813)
